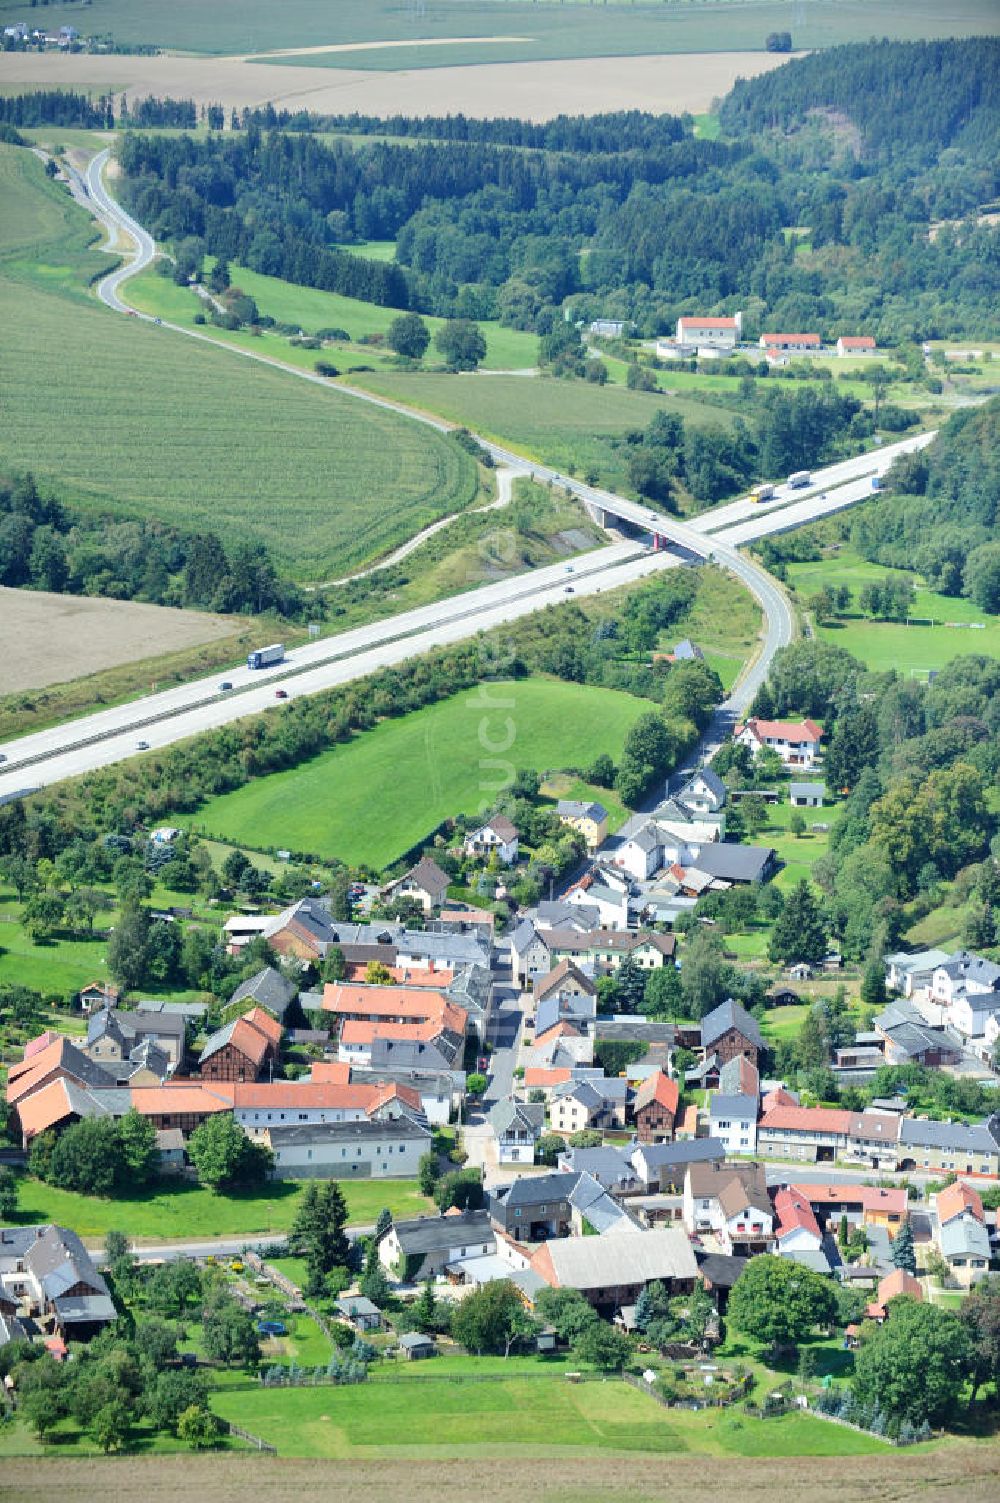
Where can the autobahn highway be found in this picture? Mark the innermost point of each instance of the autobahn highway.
(159, 720)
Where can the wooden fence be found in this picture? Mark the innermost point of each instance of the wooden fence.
(253, 1440)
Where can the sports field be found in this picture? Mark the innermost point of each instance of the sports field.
(568, 424)
(885, 644)
(140, 420)
(369, 801)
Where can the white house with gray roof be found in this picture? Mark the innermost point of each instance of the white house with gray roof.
(517, 1126)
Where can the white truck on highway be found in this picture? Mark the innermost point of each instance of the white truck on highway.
(800, 478)
(266, 657)
(762, 493)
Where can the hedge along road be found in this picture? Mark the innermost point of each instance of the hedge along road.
(101, 740)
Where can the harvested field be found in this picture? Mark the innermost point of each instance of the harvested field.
(956, 1469)
(532, 90)
(62, 637)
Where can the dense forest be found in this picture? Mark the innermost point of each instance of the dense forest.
(911, 99)
(943, 516)
(922, 763)
(845, 198)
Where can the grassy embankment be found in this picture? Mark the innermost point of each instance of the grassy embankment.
(157, 426)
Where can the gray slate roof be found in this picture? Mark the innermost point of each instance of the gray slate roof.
(960, 1136)
(427, 1234)
(731, 1014)
(269, 988)
(629, 1258)
(534, 1189)
(522, 1116)
(743, 1108)
(734, 863)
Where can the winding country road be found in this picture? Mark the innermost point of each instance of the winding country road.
(110, 735)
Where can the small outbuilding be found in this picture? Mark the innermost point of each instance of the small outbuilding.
(359, 1312)
(806, 795)
(415, 1345)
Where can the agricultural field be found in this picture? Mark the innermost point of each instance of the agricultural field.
(170, 1211)
(571, 425)
(959, 626)
(312, 310)
(409, 774)
(137, 419)
(62, 637)
(568, 1478)
(506, 30)
(35, 708)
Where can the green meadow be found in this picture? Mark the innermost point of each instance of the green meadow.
(370, 800)
(959, 626)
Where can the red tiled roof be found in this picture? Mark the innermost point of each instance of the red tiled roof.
(36, 1045)
(305, 1095)
(660, 1088)
(793, 731)
(330, 1072)
(868, 1198)
(898, 1282)
(536, 1075)
(954, 1200)
(857, 341)
(790, 338)
(708, 323)
(265, 1024)
(794, 1213)
(44, 1109)
(807, 1119)
(188, 1097)
(383, 1001)
(778, 1097)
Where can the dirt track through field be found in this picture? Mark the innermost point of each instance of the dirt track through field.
(50, 639)
(534, 91)
(964, 1471)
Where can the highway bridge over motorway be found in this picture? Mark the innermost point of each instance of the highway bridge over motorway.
(659, 542)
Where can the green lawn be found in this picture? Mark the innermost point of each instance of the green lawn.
(883, 644)
(568, 424)
(782, 1024)
(564, 785)
(171, 1212)
(60, 966)
(142, 421)
(372, 799)
(424, 1416)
